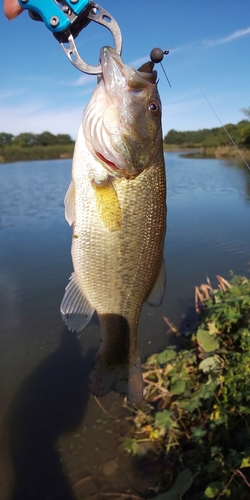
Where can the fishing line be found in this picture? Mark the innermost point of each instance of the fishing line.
(210, 105)
(163, 69)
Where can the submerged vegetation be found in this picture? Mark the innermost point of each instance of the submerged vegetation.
(27, 146)
(197, 410)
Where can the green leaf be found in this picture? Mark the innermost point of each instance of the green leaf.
(192, 404)
(215, 450)
(130, 445)
(180, 487)
(172, 372)
(178, 387)
(213, 489)
(207, 390)
(183, 482)
(198, 433)
(209, 364)
(245, 462)
(206, 341)
(165, 356)
(212, 328)
(151, 360)
(164, 419)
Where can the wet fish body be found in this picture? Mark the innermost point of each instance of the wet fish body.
(116, 204)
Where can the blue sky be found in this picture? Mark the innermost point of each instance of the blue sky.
(40, 89)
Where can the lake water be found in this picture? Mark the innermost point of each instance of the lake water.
(50, 425)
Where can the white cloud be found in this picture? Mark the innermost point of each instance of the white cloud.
(5, 94)
(181, 110)
(227, 39)
(33, 117)
(85, 80)
(190, 111)
(209, 43)
(138, 62)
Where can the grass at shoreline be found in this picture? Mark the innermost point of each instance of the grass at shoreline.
(220, 152)
(13, 153)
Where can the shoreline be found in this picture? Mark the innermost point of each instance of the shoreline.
(66, 152)
(221, 152)
(11, 154)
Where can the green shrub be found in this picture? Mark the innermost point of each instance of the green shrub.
(197, 407)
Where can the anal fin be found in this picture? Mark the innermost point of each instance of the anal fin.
(75, 309)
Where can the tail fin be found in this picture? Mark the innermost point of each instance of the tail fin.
(126, 380)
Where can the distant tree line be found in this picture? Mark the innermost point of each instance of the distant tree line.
(28, 146)
(214, 137)
(27, 139)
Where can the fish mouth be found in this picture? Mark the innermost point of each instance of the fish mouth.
(111, 63)
(113, 69)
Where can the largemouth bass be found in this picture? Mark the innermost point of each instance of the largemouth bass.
(116, 204)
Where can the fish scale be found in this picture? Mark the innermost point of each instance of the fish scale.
(114, 258)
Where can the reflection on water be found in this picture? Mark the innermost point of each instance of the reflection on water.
(43, 379)
(32, 191)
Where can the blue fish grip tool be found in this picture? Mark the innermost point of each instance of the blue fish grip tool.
(66, 19)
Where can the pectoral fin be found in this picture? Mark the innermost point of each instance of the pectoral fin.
(75, 309)
(157, 294)
(107, 204)
(69, 202)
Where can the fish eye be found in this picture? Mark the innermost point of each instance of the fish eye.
(154, 108)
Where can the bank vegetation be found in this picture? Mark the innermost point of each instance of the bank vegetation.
(197, 410)
(27, 146)
(213, 142)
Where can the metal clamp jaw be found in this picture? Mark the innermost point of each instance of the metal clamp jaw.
(66, 19)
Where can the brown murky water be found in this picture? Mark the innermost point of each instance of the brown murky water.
(57, 443)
